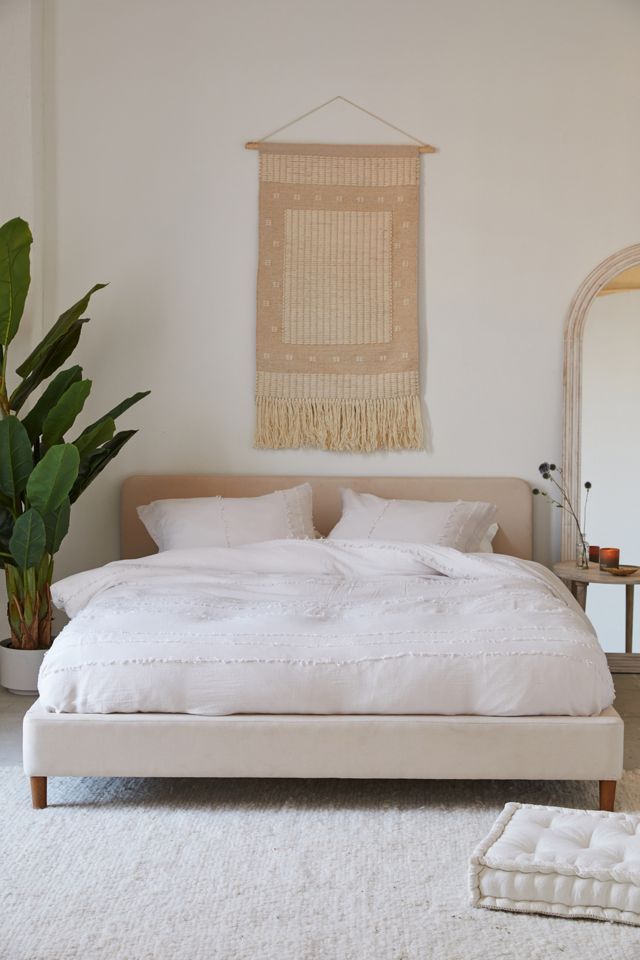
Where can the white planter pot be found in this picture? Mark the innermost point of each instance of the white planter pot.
(19, 669)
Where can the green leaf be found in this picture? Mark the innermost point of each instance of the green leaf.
(43, 579)
(6, 526)
(119, 409)
(15, 243)
(35, 418)
(27, 543)
(16, 462)
(124, 405)
(60, 351)
(63, 415)
(90, 439)
(65, 322)
(57, 526)
(95, 463)
(52, 478)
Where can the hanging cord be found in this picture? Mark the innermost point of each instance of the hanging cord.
(422, 147)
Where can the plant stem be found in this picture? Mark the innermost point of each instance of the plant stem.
(4, 398)
(568, 506)
(584, 512)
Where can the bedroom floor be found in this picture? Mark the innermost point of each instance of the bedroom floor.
(627, 703)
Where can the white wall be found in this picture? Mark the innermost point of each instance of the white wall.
(533, 106)
(610, 449)
(16, 155)
(21, 156)
(21, 138)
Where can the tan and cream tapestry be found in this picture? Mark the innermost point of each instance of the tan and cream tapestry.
(337, 327)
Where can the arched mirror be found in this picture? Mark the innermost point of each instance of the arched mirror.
(602, 442)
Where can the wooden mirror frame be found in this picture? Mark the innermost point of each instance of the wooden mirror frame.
(573, 338)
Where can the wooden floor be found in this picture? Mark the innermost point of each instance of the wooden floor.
(13, 708)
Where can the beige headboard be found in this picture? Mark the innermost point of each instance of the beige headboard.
(512, 497)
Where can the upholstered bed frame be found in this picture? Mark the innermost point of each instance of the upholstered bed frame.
(379, 747)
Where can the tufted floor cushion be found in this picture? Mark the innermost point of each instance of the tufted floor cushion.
(568, 863)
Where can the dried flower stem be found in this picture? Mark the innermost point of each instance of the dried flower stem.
(567, 506)
(584, 513)
(547, 471)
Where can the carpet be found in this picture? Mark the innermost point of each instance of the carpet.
(271, 870)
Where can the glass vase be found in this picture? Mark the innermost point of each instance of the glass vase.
(582, 553)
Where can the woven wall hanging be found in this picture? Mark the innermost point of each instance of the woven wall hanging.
(337, 309)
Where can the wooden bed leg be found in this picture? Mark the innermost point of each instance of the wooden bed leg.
(607, 794)
(38, 793)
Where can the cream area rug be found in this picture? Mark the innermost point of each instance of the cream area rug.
(271, 870)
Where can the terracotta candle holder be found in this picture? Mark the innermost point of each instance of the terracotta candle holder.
(609, 557)
(594, 553)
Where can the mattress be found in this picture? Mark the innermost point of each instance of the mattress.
(323, 627)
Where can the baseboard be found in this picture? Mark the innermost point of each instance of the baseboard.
(624, 662)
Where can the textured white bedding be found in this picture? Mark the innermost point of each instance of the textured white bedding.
(323, 627)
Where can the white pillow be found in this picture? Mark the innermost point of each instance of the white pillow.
(229, 522)
(486, 544)
(456, 523)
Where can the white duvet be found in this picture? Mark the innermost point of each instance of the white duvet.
(301, 626)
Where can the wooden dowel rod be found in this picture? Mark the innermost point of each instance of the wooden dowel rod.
(423, 148)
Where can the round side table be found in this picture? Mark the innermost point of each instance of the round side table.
(579, 578)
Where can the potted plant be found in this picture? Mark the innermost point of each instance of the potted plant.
(41, 472)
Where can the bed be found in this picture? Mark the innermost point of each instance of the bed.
(376, 744)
